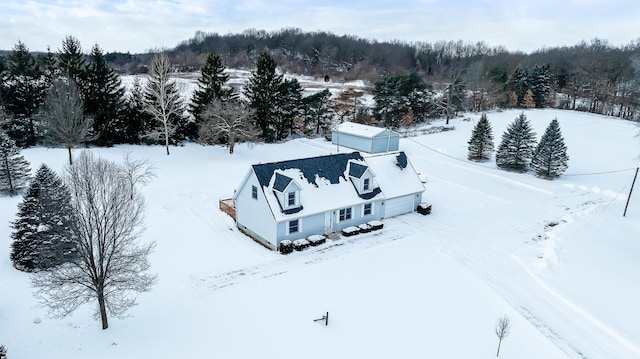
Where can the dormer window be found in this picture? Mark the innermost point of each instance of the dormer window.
(366, 184)
(291, 199)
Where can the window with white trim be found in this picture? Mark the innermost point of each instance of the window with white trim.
(345, 214)
(291, 199)
(366, 184)
(367, 209)
(254, 192)
(294, 226)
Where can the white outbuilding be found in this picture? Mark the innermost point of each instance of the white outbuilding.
(365, 138)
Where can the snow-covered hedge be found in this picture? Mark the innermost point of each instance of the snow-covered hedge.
(316, 239)
(286, 247)
(300, 244)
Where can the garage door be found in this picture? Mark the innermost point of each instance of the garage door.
(396, 206)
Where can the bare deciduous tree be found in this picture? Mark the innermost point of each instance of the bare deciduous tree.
(112, 264)
(162, 98)
(503, 326)
(228, 120)
(63, 116)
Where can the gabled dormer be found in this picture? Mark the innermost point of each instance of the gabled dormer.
(363, 180)
(287, 191)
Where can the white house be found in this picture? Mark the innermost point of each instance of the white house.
(365, 138)
(299, 198)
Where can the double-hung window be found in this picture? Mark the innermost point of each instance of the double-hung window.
(366, 184)
(294, 226)
(368, 209)
(291, 199)
(345, 214)
(254, 192)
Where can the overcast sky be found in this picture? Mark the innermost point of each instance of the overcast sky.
(140, 25)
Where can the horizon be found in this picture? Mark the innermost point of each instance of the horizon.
(142, 26)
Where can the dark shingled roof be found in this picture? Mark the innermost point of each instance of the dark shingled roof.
(281, 182)
(331, 167)
(357, 170)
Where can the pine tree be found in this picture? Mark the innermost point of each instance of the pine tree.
(138, 121)
(71, 60)
(519, 82)
(517, 145)
(211, 86)
(550, 157)
(43, 236)
(27, 88)
(104, 100)
(541, 85)
(14, 169)
(481, 142)
(288, 107)
(263, 92)
(316, 110)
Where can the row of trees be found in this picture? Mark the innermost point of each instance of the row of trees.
(518, 150)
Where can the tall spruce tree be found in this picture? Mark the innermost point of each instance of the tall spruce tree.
(517, 145)
(14, 169)
(519, 83)
(71, 60)
(263, 92)
(481, 142)
(550, 157)
(26, 90)
(138, 121)
(288, 107)
(396, 95)
(104, 100)
(540, 81)
(211, 86)
(44, 235)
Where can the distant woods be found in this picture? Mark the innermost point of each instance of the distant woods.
(409, 82)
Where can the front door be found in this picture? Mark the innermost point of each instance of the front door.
(328, 222)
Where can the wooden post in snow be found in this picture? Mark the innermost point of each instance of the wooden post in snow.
(630, 191)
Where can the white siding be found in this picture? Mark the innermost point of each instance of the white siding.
(397, 206)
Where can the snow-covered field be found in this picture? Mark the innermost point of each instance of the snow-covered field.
(557, 257)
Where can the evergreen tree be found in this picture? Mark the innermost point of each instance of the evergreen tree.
(14, 169)
(138, 121)
(26, 90)
(104, 100)
(395, 95)
(517, 145)
(315, 110)
(48, 64)
(211, 86)
(550, 157)
(288, 107)
(71, 60)
(519, 83)
(481, 142)
(43, 236)
(541, 85)
(263, 92)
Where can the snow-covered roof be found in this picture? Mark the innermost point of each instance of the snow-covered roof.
(360, 130)
(325, 185)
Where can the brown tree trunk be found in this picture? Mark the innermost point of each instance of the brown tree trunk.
(103, 310)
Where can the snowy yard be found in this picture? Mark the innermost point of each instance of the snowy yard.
(557, 257)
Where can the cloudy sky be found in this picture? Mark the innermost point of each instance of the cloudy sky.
(140, 25)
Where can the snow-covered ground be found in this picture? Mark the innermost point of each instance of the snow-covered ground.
(557, 257)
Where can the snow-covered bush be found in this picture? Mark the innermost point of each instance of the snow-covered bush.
(300, 244)
(286, 247)
(316, 239)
